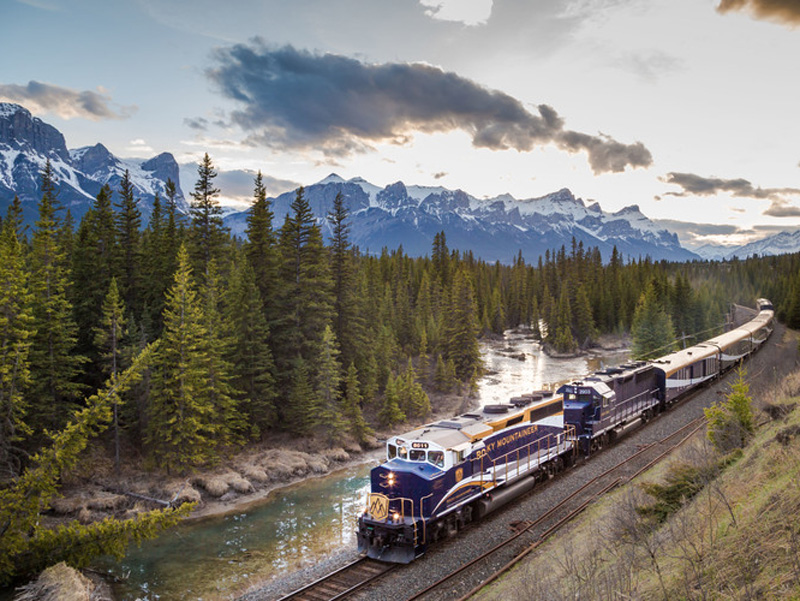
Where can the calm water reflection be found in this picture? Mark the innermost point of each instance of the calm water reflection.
(217, 557)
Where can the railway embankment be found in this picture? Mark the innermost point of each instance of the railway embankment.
(726, 526)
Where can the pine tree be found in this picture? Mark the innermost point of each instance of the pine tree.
(108, 338)
(306, 299)
(251, 358)
(157, 265)
(329, 377)
(27, 546)
(652, 330)
(261, 249)
(229, 422)
(54, 365)
(94, 264)
(129, 223)
(349, 323)
(461, 328)
(16, 324)
(390, 412)
(351, 408)
(181, 429)
(298, 412)
(208, 234)
(731, 423)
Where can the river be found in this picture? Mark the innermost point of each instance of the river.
(218, 557)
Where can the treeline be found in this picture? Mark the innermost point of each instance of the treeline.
(279, 332)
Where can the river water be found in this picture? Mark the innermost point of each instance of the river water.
(219, 557)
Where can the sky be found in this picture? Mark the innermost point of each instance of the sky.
(687, 108)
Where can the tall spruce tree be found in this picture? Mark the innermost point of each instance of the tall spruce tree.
(652, 331)
(208, 234)
(261, 249)
(108, 338)
(351, 408)
(461, 328)
(16, 324)
(53, 388)
(329, 377)
(253, 367)
(182, 425)
(306, 298)
(129, 223)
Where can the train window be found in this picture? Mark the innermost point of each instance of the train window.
(416, 455)
(514, 420)
(392, 451)
(436, 458)
(402, 452)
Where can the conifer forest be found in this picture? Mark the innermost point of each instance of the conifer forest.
(188, 343)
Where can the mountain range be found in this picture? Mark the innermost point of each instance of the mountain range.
(494, 229)
(27, 142)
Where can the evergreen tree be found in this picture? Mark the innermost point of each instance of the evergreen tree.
(181, 429)
(229, 422)
(129, 223)
(652, 330)
(157, 265)
(261, 250)
(348, 321)
(55, 366)
(253, 366)
(351, 408)
(208, 234)
(108, 338)
(461, 328)
(329, 377)
(16, 324)
(27, 546)
(306, 299)
(299, 416)
(731, 423)
(390, 412)
(94, 264)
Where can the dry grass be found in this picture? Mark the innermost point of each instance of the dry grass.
(214, 485)
(254, 473)
(107, 502)
(239, 484)
(739, 538)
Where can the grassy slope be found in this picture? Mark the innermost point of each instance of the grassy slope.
(739, 538)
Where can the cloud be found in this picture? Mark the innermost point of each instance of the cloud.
(66, 103)
(468, 12)
(786, 12)
(198, 123)
(696, 185)
(340, 106)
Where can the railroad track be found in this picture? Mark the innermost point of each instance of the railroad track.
(343, 582)
(528, 535)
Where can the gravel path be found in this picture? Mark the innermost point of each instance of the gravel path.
(765, 371)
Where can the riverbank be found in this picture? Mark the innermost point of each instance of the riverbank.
(92, 491)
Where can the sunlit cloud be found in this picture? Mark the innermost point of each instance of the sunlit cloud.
(786, 12)
(468, 12)
(45, 98)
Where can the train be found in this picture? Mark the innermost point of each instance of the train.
(439, 477)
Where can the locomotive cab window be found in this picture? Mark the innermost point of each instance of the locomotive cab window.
(392, 451)
(436, 458)
(402, 453)
(416, 455)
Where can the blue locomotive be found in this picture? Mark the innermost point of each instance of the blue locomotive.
(439, 477)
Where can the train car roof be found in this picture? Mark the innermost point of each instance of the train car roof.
(680, 359)
(728, 338)
(470, 427)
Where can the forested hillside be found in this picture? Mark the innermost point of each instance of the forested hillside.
(283, 333)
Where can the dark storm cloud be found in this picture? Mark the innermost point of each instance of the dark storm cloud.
(66, 103)
(782, 11)
(696, 185)
(296, 99)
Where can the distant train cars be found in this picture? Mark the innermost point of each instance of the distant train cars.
(439, 477)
